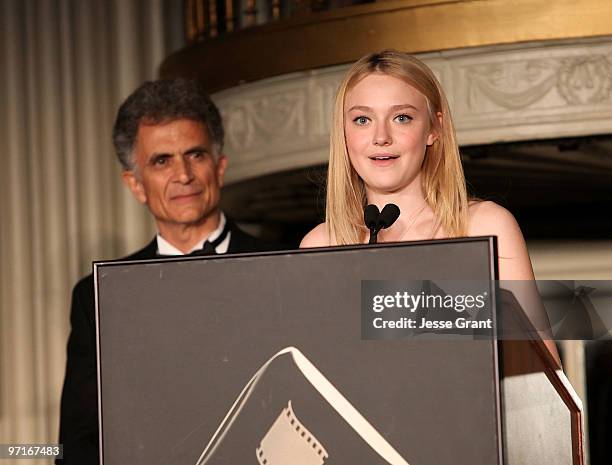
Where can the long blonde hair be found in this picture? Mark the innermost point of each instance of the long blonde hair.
(443, 180)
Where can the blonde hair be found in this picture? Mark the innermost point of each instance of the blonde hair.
(442, 177)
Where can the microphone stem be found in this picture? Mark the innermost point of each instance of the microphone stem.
(373, 236)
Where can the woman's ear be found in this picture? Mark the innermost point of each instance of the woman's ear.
(435, 130)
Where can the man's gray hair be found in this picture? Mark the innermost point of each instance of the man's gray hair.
(165, 100)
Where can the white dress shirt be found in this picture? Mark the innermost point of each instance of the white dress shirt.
(165, 248)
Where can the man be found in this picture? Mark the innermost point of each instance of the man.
(168, 136)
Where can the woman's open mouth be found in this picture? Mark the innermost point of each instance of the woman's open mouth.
(383, 160)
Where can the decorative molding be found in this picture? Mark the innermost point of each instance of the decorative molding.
(522, 83)
(501, 93)
(511, 86)
(278, 124)
(265, 119)
(585, 80)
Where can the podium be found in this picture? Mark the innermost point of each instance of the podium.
(243, 359)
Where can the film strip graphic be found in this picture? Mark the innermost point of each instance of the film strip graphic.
(288, 435)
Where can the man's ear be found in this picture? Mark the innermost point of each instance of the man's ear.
(435, 131)
(220, 168)
(131, 181)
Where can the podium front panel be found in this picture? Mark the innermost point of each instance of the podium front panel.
(179, 340)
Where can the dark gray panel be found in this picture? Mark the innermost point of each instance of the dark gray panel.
(179, 340)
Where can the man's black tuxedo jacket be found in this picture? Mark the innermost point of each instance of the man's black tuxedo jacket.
(79, 406)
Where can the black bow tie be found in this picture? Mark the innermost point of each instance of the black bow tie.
(209, 247)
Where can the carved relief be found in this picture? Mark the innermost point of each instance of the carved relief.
(263, 120)
(323, 94)
(511, 85)
(521, 84)
(585, 80)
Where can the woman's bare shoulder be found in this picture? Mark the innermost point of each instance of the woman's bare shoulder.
(317, 237)
(489, 219)
(486, 217)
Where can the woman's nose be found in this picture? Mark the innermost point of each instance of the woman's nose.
(382, 135)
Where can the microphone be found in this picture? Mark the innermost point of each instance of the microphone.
(370, 216)
(375, 220)
(388, 215)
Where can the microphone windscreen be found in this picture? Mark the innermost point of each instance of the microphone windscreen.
(371, 216)
(388, 215)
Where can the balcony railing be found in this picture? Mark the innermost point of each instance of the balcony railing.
(216, 18)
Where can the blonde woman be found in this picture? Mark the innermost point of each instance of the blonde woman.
(393, 141)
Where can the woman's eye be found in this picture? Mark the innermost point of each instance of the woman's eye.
(361, 120)
(403, 118)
